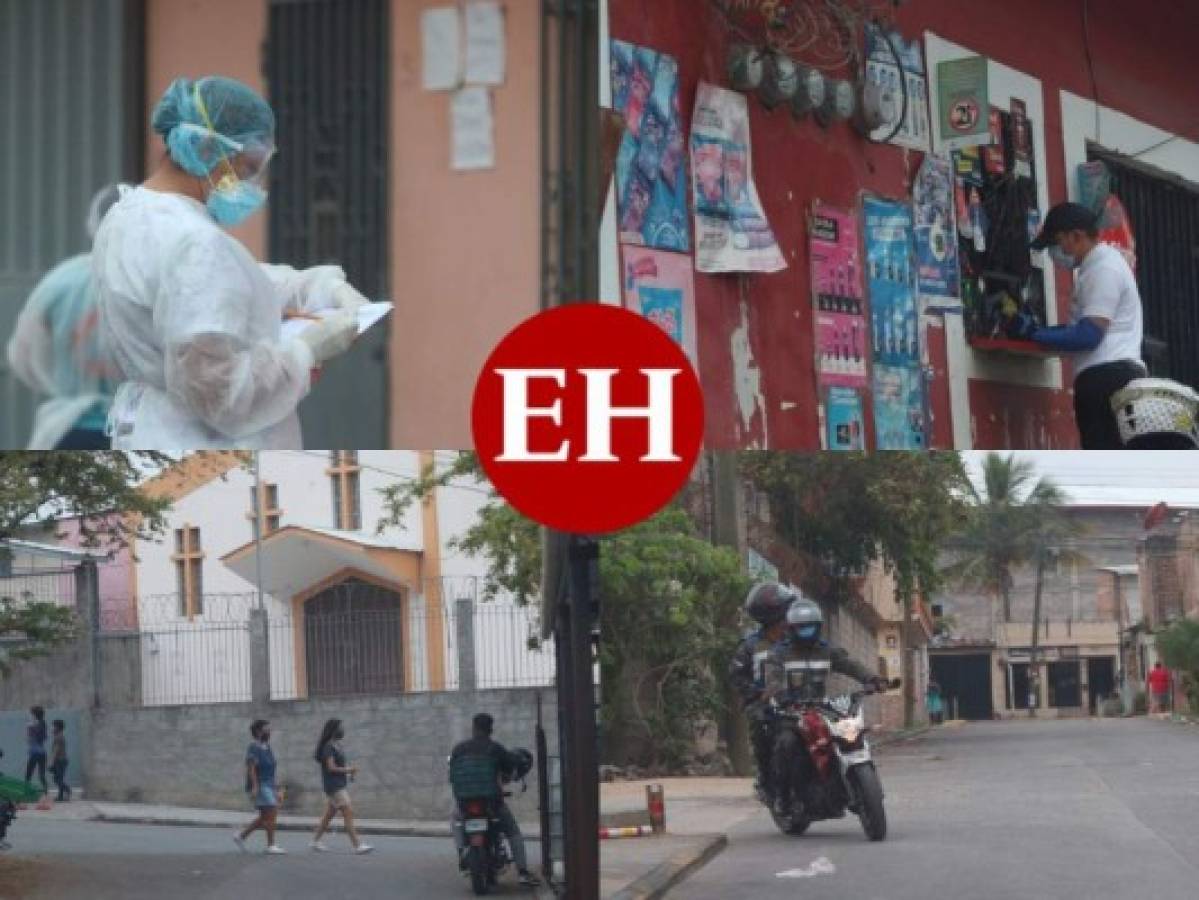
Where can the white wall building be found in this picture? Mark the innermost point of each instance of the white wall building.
(351, 608)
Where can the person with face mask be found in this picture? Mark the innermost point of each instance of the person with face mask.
(1107, 325)
(767, 604)
(335, 778)
(192, 321)
(798, 669)
(55, 350)
(261, 786)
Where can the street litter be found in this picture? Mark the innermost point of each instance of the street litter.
(821, 866)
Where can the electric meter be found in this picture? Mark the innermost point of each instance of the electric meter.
(747, 67)
(810, 93)
(839, 102)
(781, 80)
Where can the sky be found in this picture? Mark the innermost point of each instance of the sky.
(1117, 478)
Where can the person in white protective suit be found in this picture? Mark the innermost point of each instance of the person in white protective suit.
(55, 350)
(192, 320)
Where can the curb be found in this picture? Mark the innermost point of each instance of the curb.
(655, 883)
(431, 830)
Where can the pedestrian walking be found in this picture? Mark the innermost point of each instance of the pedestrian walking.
(35, 736)
(58, 760)
(261, 786)
(1159, 687)
(935, 703)
(335, 777)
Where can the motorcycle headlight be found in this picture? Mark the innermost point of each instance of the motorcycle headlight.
(849, 730)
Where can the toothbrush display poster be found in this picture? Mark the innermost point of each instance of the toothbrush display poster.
(898, 396)
(846, 419)
(891, 280)
(842, 335)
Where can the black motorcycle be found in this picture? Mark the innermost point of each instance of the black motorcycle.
(831, 770)
(487, 853)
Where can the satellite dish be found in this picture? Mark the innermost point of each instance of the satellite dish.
(1156, 516)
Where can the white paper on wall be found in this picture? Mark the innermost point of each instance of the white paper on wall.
(441, 48)
(472, 130)
(485, 49)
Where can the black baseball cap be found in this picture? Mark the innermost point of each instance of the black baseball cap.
(1065, 217)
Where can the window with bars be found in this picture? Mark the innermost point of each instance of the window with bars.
(345, 484)
(270, 515)
(189, 571)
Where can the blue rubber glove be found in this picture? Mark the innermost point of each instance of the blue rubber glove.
(1076, 338)
(1021, 327)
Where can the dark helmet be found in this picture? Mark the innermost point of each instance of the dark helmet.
(767, 602)
(524, 763)
(805, 620)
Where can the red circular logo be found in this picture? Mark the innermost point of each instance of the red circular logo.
(587, 418)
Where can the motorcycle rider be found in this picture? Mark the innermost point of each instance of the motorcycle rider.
(485, 762)
(798, 669)
(766, 603)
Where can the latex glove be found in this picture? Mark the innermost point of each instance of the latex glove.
(347, 297)
(1021, 327)
(330, 337)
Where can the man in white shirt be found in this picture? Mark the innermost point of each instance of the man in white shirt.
(1107, 326)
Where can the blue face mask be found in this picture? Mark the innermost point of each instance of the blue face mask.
(807, 632)
(1062, 259)
(232, 204)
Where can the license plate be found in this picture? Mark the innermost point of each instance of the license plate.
(475, 826)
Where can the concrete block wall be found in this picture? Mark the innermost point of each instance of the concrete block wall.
(193, 755)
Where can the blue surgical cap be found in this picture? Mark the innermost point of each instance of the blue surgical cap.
(234, 111)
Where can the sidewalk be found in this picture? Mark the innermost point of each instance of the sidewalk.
(700, 812)
(147, 814)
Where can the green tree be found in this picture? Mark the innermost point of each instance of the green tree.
(100, 490)
(843, 511)
(1178, 645)
(1012, 517)
(664, 591)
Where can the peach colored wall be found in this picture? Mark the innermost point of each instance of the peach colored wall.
(204, 37)
(464, 245)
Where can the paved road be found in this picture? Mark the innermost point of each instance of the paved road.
(1093, 809)
(102, 861)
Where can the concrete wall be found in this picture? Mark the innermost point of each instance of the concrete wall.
(193, 756)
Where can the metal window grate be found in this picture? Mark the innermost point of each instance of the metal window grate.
(326, 69)
(1165, 218)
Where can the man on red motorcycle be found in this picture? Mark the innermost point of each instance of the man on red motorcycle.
(798, 669)
(766, 604)
(478, 768)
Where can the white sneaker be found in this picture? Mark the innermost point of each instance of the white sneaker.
(276, 850)
(363, 848)
(317, 847)
(240, 841)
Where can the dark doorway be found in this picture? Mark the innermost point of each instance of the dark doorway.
(1065, 689)
(1018, 686)
(327, 75)
(353, 640)
(965, 681)
(1101, 676)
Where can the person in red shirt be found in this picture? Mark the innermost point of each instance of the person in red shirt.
(1159, 686)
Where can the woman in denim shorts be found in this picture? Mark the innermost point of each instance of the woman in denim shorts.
(260, 785)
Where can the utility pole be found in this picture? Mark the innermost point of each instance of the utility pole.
(258, 528)
(1034, 679)
(576, 636)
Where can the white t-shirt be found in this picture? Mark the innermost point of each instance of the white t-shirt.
(1107, 289)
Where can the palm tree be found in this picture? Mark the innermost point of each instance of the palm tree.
(1011, 517)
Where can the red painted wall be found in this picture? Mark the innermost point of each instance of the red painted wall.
(1145, 66)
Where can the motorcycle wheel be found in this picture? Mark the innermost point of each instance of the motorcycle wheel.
(790, 824)
(870, 793)
(477, 863)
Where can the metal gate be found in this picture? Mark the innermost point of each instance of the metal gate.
(326, 72)
(1165, 218)
(72, 111)
(353, 640)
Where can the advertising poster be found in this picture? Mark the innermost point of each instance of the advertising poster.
(841, 334)
(651, 184)
(1021, 140)
(899, 408)
(935, 234)
(660, 286)
(964, 113)
(894, 319)
(894, 325)
(846, 419)
(882, 70)
(731, 231)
